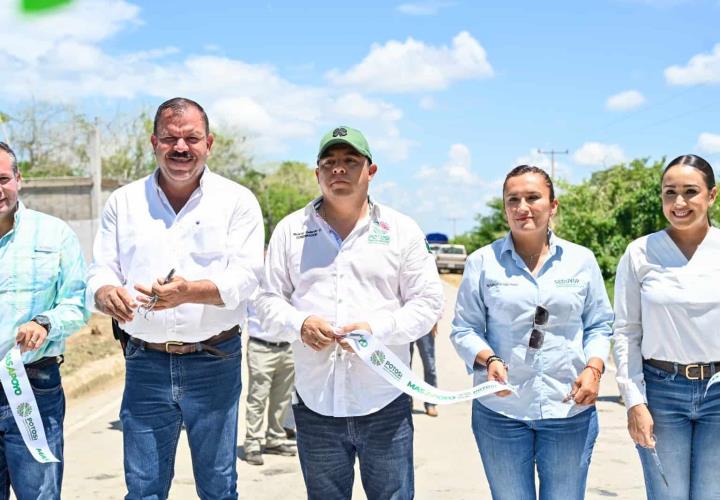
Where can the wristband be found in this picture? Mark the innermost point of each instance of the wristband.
(494, 358)
(596, 372)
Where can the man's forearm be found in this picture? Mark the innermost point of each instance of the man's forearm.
(204, 292)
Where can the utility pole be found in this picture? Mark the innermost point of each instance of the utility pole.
(552, 154)
(454, 220)
(96, 174)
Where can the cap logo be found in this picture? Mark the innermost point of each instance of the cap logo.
(340, 132)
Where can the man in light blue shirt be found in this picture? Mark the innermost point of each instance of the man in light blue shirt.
(42, 288)
(495, 310)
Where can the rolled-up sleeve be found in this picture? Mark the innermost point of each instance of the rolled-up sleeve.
(597, 316)
(105, 268)
(246, 237)
(468, 327)
(628, 333)
(274, 309)
(68, 313)
(421, 293)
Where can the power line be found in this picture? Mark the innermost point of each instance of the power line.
(552, 154)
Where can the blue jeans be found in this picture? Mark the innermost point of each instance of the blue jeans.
(511, 449)
(382, 441)
(30, 479)
(163, 391)
(426, 348)
(687, 429)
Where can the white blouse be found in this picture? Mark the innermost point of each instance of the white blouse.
(666, 307)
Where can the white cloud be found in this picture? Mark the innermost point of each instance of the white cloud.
(457, 167)
(701, 69)
(61, 58)
(425, 172)
(598, 154)
(413, 66)
(709, 143)
(625, 101)
(427, 103)
(422, 8)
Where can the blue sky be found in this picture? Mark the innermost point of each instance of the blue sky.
(450, 94)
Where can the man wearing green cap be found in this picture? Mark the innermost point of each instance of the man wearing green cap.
(346, 263)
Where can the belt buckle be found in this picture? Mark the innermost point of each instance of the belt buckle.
(172, 342)
(700, 367)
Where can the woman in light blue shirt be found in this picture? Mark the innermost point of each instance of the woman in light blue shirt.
(532, 310)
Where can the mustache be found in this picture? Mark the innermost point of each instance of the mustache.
(177, 155)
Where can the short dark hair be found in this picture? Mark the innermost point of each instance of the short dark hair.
(178, 105)
(530, 169)
(696, 162)
(13, 157)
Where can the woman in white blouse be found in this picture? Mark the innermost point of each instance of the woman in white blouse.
(667, 338)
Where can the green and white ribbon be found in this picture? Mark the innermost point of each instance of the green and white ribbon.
(24, 408)
(713, 380)
(386, 363)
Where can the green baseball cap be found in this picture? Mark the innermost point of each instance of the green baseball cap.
(345, 135)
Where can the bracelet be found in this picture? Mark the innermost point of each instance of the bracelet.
(596, 372)
(493, 358)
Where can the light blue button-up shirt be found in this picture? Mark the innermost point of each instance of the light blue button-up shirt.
(42, 272)
(495, 310)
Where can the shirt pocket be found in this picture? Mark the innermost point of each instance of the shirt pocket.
(33, 271)
(209, 245)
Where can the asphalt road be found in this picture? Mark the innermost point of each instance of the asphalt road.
(447, 462)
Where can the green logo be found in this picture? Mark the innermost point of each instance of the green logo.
(363, 343)
(24, 409)
(377, 358)
(378, 235)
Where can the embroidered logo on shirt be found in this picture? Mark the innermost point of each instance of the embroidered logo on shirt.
(494, 283)
(310, 233)
(378, 233)
(568, 283)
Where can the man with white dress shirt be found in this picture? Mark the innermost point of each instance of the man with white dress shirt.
(341, 264)
(176, 257)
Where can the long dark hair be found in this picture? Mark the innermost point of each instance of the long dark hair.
(696, 162)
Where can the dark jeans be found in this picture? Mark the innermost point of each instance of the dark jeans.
(426, 348)
(163, 391)
(382, 441)
(30, 479)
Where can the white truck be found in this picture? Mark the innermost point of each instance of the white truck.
(450, 257)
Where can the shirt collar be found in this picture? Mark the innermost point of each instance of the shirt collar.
(314, 206)
(509, 245)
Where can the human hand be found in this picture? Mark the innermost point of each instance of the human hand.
(585, 387)
(31, 336)
(641, 426)
(340, 336)
(171, 294)
(434, 330)
(317, 333)
(498, 371)
(115, 301)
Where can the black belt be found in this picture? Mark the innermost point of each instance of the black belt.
(268, 343)
(694, 371)
(45, 362)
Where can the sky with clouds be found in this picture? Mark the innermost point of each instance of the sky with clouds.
(450, 94)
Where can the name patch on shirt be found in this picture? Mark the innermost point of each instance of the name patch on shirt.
(379, 233)
(569, 283)
(494, 283)
(310, 233)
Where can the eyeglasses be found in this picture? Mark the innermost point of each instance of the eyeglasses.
(537, 337)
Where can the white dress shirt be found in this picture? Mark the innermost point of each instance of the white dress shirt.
(218, 236)
(666, 307)
(382, 273)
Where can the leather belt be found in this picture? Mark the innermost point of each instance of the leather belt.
(694, 371)
(174, 347)
(45, 362)
(268, 343)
